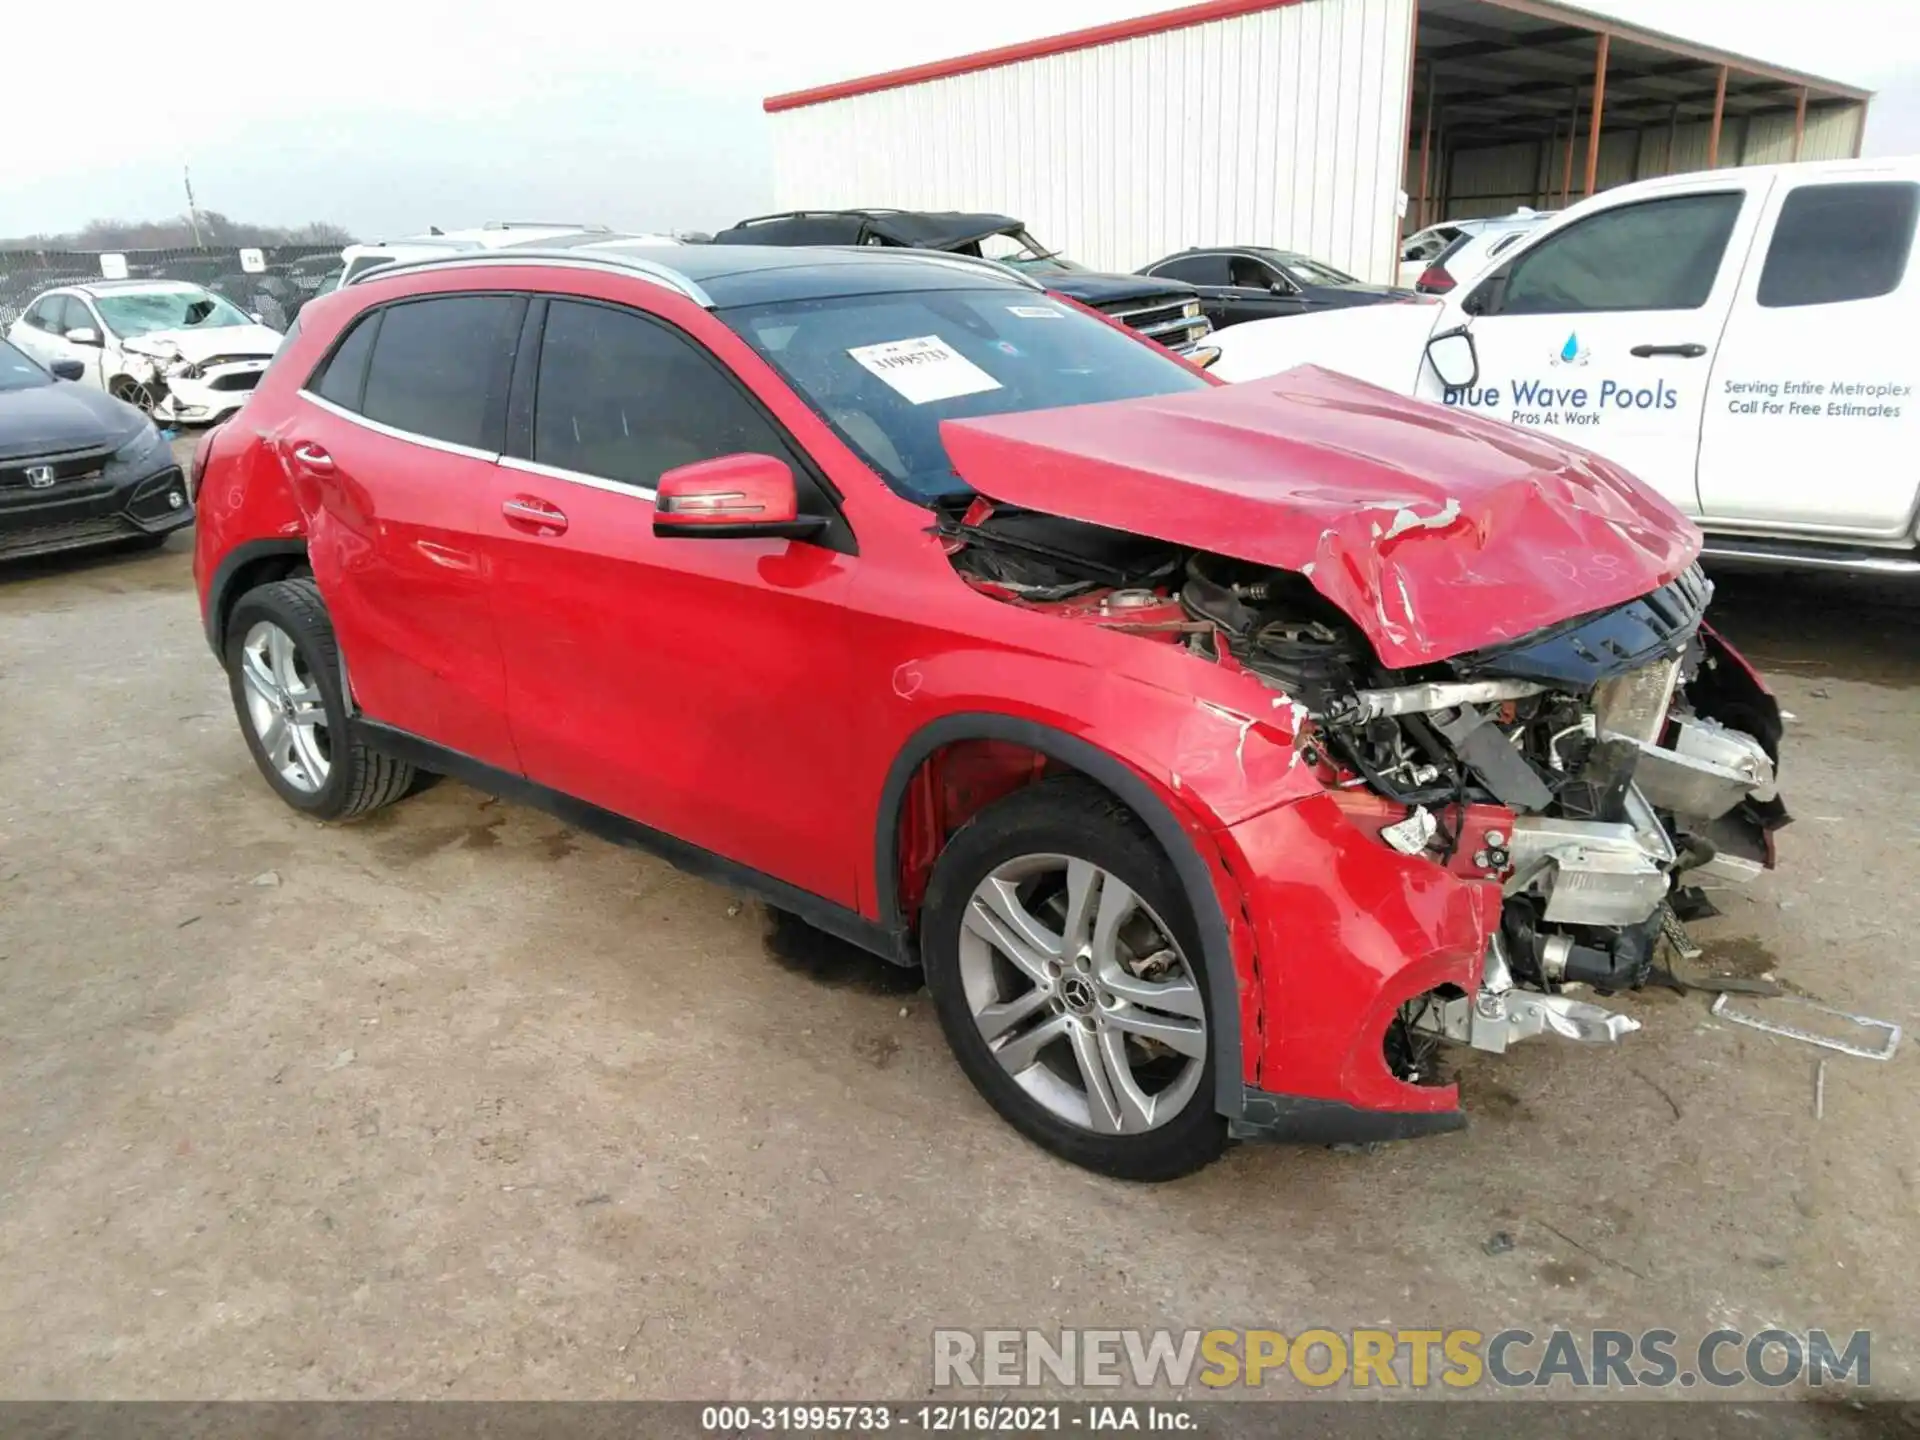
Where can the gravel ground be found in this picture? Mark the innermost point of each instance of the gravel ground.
(456, 1102)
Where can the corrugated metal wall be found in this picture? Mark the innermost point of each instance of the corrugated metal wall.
(1283, 127)
(1499, 179)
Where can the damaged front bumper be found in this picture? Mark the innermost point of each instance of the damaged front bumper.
(196, 392)
(1605, 780)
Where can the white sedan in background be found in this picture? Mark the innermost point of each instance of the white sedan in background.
(174, 350)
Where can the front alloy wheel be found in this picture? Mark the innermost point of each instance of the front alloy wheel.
(1082, 995)
(1064, 963)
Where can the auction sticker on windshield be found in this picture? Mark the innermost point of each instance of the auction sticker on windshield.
(924, 369)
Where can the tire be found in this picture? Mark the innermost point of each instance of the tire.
(1024, 850)
(136, 393)
(322, 768)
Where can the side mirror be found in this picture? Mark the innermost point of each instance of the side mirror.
(1454, 359)
(742, 497)
(254, 315)
(1278, 287)
(68, 370)
(82, 335)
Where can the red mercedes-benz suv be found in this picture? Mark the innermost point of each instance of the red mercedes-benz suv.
(1219, 751)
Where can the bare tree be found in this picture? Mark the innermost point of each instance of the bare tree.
(176, 233)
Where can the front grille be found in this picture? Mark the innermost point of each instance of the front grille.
(1161, 317)
(20, 540)
(237, 380)
(72, 466)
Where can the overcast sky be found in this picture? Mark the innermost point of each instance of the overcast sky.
(640, 116)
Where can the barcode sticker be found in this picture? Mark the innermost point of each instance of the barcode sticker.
(924, 369)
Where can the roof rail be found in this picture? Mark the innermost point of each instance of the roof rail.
(541, 225)
(605, 261)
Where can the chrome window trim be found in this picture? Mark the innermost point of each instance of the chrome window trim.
(576, 477)
(394, 432)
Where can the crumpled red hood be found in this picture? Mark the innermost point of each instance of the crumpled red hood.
(1436, 531)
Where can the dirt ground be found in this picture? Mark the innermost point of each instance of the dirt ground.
(455, 1102)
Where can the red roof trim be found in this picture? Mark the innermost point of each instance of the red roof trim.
(1155, 24)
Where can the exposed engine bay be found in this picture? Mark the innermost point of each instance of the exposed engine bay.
(1600, 770)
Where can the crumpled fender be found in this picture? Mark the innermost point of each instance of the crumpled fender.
(1346, 930)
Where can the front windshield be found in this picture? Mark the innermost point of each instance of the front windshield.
(142, 312)
(885, 370)
(1020, 250)
(17, 372)
(1303, 271)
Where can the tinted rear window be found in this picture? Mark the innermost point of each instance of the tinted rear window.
(342, 373)
(433, 364)
(1839, 242)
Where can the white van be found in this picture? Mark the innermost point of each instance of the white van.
(1734, 338)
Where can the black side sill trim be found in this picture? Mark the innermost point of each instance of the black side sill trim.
(1304, 1121)
(822, 914)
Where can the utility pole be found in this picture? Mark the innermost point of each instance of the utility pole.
(193, 215)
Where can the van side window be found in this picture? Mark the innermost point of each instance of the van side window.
(435, 363)
(1840, 242)
(624, 398)
(1657, 255)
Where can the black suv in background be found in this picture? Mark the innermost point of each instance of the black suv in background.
(1162, 309)
(1253, 282)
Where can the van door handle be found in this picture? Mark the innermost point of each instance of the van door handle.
(530, 512)
(1692, 350)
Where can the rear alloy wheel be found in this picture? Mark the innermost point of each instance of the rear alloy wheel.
(288, 716)
(283, 669)
(1063, 965)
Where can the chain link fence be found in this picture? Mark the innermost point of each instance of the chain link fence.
(271, 281)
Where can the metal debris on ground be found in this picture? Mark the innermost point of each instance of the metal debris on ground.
(1676, 935)
(1677, 946)
(1820, 1090)
(1891, 1031)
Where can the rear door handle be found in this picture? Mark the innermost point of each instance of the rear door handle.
(312, 456)
(531, 513)
(1692, 350)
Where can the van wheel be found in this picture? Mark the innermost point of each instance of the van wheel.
(283, 669)
(1067, 973)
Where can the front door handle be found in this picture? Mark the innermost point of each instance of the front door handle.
(531, 513)
(312, 456)
(1692, 350)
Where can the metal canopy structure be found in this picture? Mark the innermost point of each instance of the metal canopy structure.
(1492, 74)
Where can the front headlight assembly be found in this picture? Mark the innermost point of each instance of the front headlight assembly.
(139, 446)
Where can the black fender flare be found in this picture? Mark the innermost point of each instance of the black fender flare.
(1223, 988)
(220, 590)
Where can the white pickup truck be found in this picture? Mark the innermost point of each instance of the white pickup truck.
(1738, 339)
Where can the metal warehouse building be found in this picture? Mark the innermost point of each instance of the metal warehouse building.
(1327, 126)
